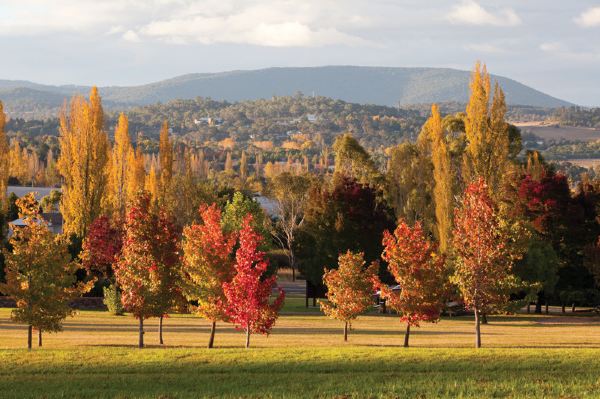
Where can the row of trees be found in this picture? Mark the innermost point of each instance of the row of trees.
(545, 236)
(155, 269)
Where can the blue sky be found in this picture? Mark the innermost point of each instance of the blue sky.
(552, 45)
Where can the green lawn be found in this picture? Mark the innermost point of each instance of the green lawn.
(95, 357)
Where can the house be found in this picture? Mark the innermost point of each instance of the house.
(53, 219)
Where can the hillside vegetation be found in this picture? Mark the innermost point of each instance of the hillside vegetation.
(365, 85)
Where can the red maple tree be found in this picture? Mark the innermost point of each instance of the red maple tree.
(207, 264)
(147, 270)
(102, 246)
(420, 272)
(248, 306)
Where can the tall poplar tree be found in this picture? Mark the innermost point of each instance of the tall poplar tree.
(487, 151)
(4, 150)
(119, 167)
(165, 149)
(136, 172)
(442, 177)
(84, 156)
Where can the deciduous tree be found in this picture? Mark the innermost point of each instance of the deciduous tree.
(147, 270)
(291, 194)
(248, 305)
(40, 276)
(119, 168)
(419, 271)
(350, 288)
(443, 179)
(4, 165)
(82, 163)
(207, 265)
(483, 269)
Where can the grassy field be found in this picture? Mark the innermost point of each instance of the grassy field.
(95, 356)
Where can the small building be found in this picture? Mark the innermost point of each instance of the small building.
(53, 219)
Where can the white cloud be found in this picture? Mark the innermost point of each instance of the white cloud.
(484, 48)
(469, 12)
(275, 24)
(589, 18)
(131, 36)
(563, 51)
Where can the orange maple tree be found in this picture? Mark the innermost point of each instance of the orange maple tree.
(350, 288)
(420, 272)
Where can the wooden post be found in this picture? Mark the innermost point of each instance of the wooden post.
(40, 337)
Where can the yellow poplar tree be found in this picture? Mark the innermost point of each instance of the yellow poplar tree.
(136, 172)
(487, 150)
(4, 150)
(152, 184)
(165, 149)
(119, 167)
(84, 156)
(442, 177)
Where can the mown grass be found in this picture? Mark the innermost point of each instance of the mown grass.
(95, 357)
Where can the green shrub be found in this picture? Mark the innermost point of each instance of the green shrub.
(112, 300)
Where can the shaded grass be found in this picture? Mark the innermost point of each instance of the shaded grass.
(315, 372)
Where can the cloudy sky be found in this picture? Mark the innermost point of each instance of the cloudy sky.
(552, 45)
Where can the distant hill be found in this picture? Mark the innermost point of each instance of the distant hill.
(364, 85)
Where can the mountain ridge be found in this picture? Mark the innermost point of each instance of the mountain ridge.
(391, 86)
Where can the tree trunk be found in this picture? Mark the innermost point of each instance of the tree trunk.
(573, 308)
(247, 338)
(40, 337)
(484, 319)
(477, 330)
(538, 303)
(160, 325)
(293, 274)
(547, 312)
(141, 340)
(563, 308)
(406, 335)
(29, 336)
(528, 308)
(345, 331)
(211, 340)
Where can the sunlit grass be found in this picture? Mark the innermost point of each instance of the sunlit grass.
(95, 356)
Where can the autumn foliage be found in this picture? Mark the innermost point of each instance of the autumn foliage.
(40, 276)
(148, 269)
(350, 288)
(420, 272)
(484, 259)
(207, 264)
(248, 305)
